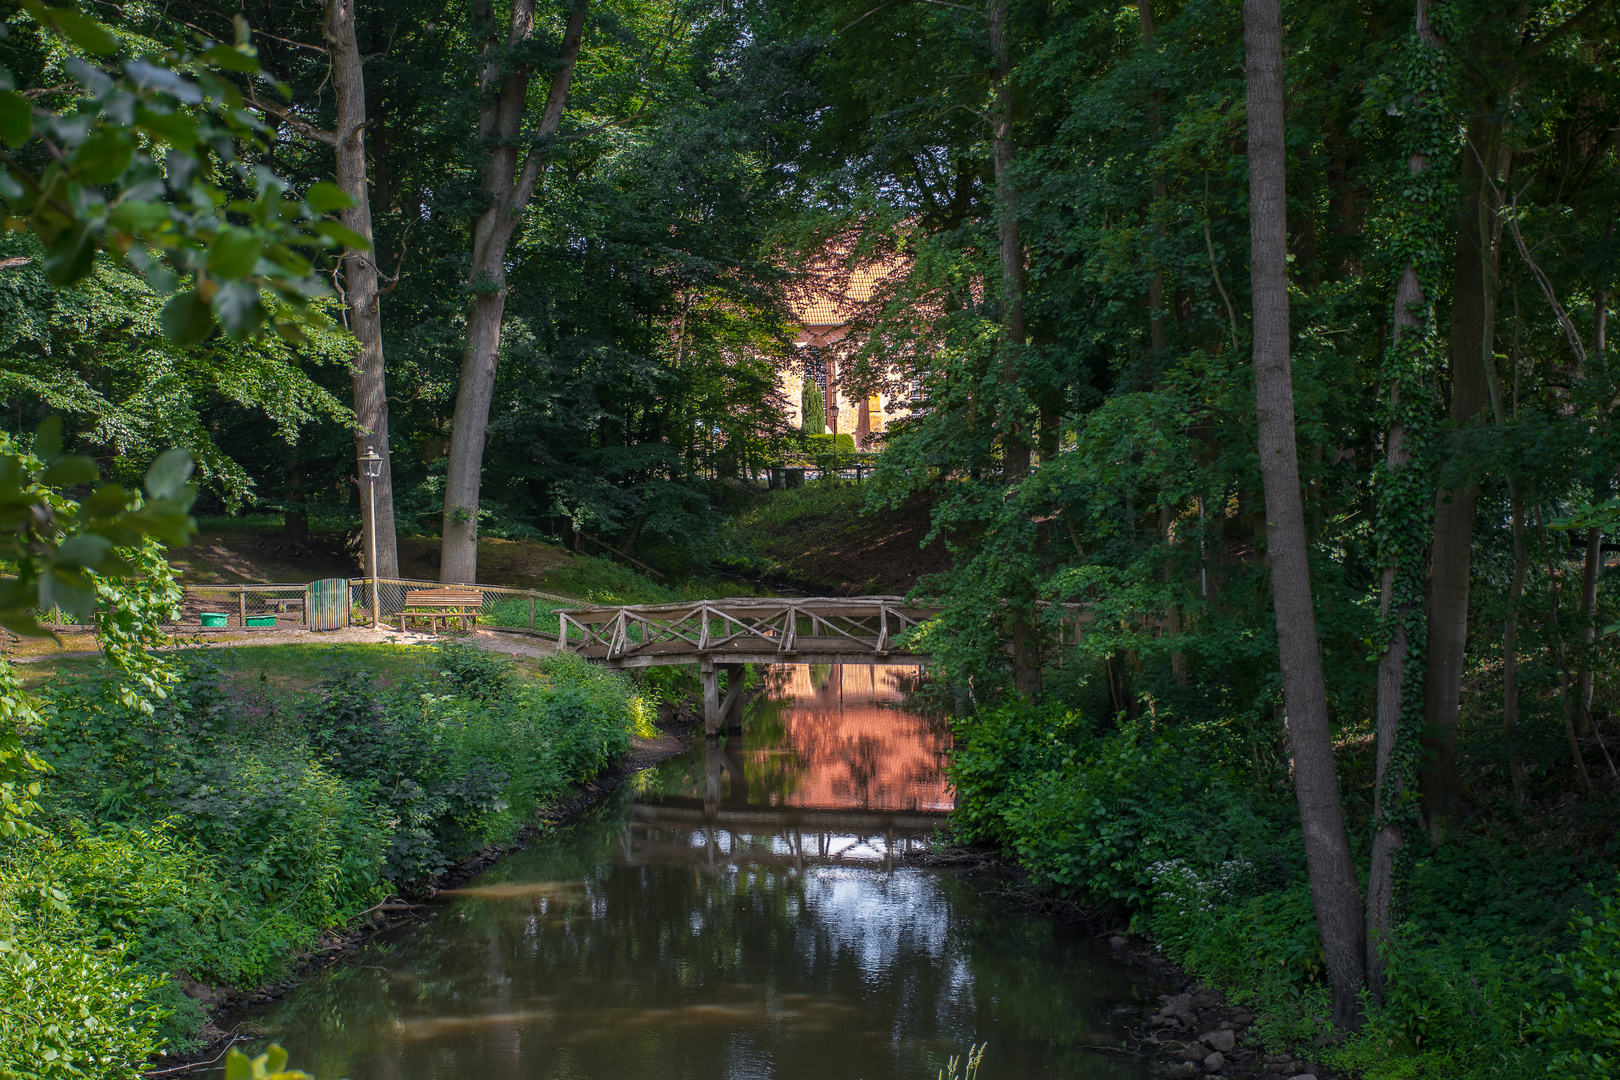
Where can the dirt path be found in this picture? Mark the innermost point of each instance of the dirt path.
(495, 641)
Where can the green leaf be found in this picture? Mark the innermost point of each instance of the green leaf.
(166, 523)
(103, 156)
(70, 255)
(227, 58)
(167, 477)
(106, 501)
(239, 309)
(176, 129)
(84, 550)
(16, 118)
(233, 253)
(289, 331)
(21, 621)
(187, 319)
(137, 216)
(73, 469)
(343, 235)
(69, 588)
(83, 31)
(325, 197)
(48, 438)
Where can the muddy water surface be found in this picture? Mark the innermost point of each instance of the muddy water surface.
(744, 912)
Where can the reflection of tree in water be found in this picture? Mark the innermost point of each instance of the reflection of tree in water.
(863, 758)
(863, 750)
(588, 965)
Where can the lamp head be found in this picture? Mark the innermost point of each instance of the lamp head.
(371, 464)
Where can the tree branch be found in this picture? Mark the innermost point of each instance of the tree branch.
(891, 3)
(1564, 320)
(529, 176)
(309, 131)
(1571, 23)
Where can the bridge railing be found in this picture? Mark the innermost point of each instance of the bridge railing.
(751, 627)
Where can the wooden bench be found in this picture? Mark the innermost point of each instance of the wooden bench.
(446, 604)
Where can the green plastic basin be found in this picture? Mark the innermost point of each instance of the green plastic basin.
(213, 618)
(261, 620)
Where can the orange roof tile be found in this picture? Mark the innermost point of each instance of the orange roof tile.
(833, 294)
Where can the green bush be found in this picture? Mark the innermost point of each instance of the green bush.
(67, 1011)
(1583, 1021)
(69, 1005)
(1142, 813)
(230, 827)
(1101, 813)
(398, 747)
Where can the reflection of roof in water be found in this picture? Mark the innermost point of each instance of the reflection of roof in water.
(861, 750)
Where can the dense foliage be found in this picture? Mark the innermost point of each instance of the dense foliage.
(227, 831)
(1488, 974)
(1064, 190)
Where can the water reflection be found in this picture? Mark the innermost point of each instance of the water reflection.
(744, 913)
(833, 736)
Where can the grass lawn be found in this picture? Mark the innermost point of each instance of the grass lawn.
(251, 549)
(287, 668)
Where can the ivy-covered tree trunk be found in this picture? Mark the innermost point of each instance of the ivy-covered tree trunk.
(1471, 335)
(360, 293)
(1015, 446)
(1335, 888)
(1404, 498)
(508, 183)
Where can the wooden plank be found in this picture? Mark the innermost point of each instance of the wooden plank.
(416, 598)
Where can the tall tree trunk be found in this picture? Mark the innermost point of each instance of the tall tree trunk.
(1335, 888)
(1491, 239)
(1015, 440)
(1160, 341)
(1471, 335)
(1566, 678)
(1510, 646)
(1155, 298)
(508, 185)
(1401, 662)
(1591, 571)
(360, 287)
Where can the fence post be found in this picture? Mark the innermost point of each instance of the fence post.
(531, 609)
(241, 607)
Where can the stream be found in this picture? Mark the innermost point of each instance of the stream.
(744, 911)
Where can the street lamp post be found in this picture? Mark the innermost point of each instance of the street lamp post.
(371, 468)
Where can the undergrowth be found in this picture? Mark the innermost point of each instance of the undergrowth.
(232, 827)
(1506, 962)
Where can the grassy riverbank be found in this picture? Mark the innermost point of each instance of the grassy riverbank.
(822, 538)
(1507, 956)
(268, 800)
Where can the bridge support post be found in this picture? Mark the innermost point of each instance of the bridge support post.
(709, 675)
(731, 708)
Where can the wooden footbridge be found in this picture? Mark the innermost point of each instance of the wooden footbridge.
(720, 636)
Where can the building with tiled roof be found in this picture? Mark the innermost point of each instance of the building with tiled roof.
(832, 297)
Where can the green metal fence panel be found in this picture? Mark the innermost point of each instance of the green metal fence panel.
(326, 604)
